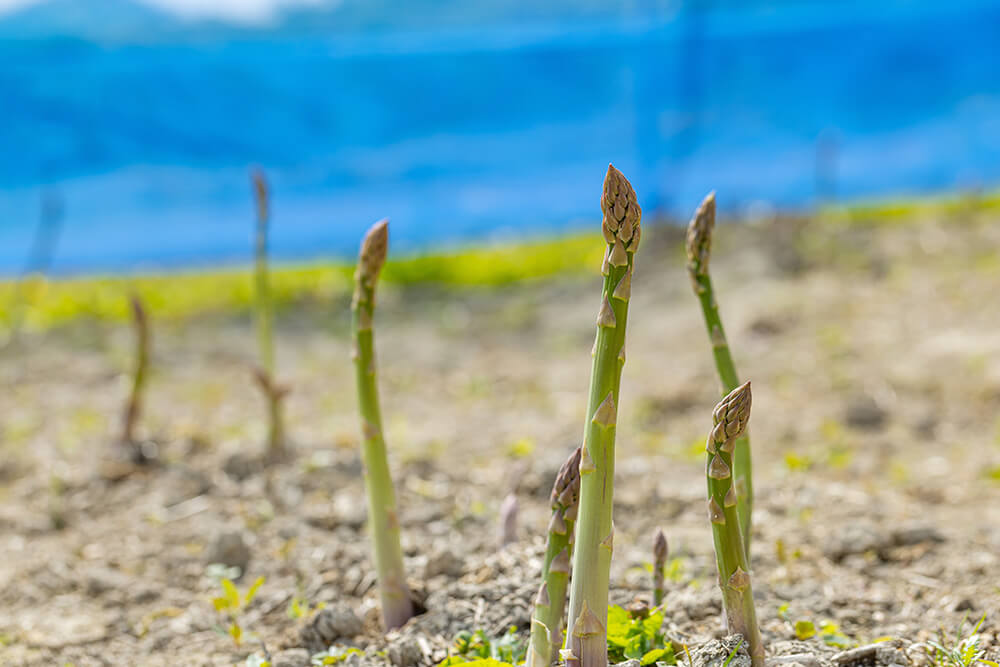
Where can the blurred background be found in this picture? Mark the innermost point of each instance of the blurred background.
(128, 126)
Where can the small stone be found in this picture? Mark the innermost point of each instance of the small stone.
(230, 549)
(405, 652)
(239, 466)
(293, 657)
(444, 563)
(335, 622)
(629, 663)
(862, 412)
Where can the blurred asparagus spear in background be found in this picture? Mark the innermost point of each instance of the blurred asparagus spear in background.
(546, 622)
(729, 422)
(699, 248)
(507, 531)
(142, 341)
(264, 374)
(660, 551)
(588, 604)
(383, 521)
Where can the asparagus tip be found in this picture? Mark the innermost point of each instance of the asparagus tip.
(260, 192)
(660, 548)
(622, 214)
(374, 248)
(732, 413)
(566, 490)
(699, 235)
(508, 520)
(138, 310)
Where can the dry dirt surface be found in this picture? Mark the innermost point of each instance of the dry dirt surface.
(874, 353)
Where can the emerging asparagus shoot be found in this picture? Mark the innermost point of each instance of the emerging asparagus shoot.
(507, 530)
(546, 622)
(397, 607)
(134, 405)
(274, 393)
(660, 551)
(588, 605)
(729, 421)
(699, 248)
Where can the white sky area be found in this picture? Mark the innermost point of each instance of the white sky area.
(241, 11)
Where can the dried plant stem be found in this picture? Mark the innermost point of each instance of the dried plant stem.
(699, 247)
(730, 419)
(546, 622)
(142, 341)
(383, 522)
(588, 606)
(273, 392)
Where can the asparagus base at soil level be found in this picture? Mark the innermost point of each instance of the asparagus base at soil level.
(699, 244)
(383, 522)
(730, 417)
(594, 540)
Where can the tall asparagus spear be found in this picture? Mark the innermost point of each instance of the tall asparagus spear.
(588, 604)
(546, 622)
(699, 248)
(142, 337)
(397, 607)
(729, 421)
(273, 392)
(660, 550)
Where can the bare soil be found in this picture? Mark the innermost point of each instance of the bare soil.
(875, 359)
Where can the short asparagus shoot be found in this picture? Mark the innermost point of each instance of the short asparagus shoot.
(729, 422)
(588, 603)
(383, 521)
(699, 249)
(507, 530)
(546, 621)
(140, 371)
(274, 393)
(660, 551)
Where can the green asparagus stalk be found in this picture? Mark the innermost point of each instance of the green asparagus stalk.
(729, 422)
(507, 531)
(273, 392)
(383, 521)
(699, 248)
(142, 339)
(660, 550)
(546, 622)
(588, 604)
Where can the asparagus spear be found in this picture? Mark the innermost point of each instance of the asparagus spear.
(507, 532)
(660, 551)
(699, 248)
(729, 422)
(588, 605)
(546, 622)
(273, 392)
(397, 607)
(142, 337)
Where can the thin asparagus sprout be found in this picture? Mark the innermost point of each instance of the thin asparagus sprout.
(699, 248)
(507, 531)
(546, 622)
(273, 392)
(142, 340)
(729, 422)
(397, 607)
(660, 550)
(588, 604)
